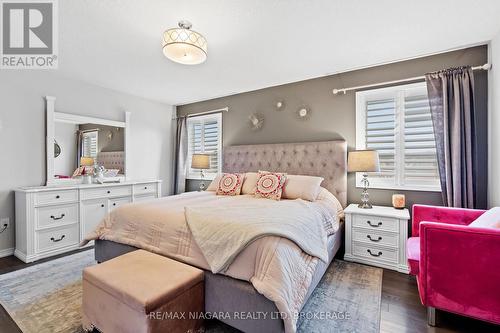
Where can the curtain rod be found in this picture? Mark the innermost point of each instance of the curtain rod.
(416, 78)
(226, 109)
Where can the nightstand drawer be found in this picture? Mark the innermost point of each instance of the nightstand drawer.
(375, 253)
(374, 237)
(376, 223)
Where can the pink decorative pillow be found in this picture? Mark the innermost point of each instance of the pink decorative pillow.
(230, 184)
(270, 185)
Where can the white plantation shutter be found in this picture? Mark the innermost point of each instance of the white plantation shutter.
(205, 137)
(420, 159)
(89, 144)
(396, 121)
(380, 135)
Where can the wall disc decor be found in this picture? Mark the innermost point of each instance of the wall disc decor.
(256, 121)
(280, 106)
(303, 113)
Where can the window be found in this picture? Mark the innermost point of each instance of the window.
(396, 121)
(89, 144)
(205, 137)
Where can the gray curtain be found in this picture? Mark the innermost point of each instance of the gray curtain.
(181, 152)
(451, 98)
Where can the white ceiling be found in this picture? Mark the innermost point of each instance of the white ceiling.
(256, 44)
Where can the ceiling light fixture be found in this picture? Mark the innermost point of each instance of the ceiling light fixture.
(184, 46)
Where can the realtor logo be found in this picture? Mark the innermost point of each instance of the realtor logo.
(29, 34)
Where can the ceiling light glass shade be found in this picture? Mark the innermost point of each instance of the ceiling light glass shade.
(184, 46)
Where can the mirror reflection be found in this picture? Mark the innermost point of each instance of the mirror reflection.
(89, 150)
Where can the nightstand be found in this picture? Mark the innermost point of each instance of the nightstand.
(377, 236)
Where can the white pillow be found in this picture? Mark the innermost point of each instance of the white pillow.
(250, 183)
(489, 219)
(214, 185)
(302, 187)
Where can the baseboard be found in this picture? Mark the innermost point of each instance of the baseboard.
(6, 252)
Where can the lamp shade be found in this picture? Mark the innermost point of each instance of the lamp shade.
(200, 161)
(184, 46)
(363, 161)
(86, 161)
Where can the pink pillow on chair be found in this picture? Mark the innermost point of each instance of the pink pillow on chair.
(489, 219)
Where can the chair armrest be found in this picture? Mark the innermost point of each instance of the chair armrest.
(449, 215)
(459, 270)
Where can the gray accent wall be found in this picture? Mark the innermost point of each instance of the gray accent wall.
(494, 123)
(334, 116)
(22, 131)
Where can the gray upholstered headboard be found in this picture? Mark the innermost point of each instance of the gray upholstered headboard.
(327, 159)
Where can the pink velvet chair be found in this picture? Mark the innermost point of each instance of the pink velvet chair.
(457, 265)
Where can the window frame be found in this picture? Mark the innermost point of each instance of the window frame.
(88, 133)
(397, 92)
(195, 175)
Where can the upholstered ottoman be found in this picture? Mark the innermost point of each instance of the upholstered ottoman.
(142, 292)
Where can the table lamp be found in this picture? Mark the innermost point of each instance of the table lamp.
(364, 161)
(201, 161)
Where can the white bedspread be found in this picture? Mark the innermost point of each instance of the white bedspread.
(276, 266)
(296, 220)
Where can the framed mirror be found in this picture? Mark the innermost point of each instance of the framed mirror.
(80, 145)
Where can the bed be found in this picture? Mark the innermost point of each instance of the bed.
(226, 294)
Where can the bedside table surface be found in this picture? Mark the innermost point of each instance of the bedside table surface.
(384, 211)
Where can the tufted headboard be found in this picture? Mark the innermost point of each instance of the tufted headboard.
(327, 159)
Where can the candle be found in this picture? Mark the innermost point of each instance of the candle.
(398, 201)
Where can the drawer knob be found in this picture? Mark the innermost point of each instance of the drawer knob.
(145, 187)
(58, 239)
(57, 218)
(102, 205)
(58, 196)
(114, 203)
(374, 240)
(109, 192)
(374, 225)
(374, 254)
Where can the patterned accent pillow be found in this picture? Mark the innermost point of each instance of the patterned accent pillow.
(230, 184)
(270, 185)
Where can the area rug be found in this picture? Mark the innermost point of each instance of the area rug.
(46, 298)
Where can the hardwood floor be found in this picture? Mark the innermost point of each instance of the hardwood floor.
(401, 310)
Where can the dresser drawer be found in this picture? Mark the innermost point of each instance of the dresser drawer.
(145, 197)
(375, 253)
(56, 238)
(56, 197)
(375, 237)
(52, 216)
(146, 188)
(105, 192)
(115, 203)
(376, 223)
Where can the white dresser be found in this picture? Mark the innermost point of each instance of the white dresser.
(52, 220)
(377, 236)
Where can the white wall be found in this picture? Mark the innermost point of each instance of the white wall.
(22, 131)
(494, 123)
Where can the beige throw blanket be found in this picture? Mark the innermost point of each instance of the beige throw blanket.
(239, 226)
(276, 266)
